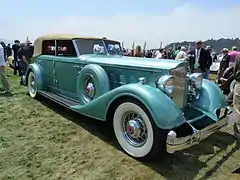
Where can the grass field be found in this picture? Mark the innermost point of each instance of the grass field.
(42, 140)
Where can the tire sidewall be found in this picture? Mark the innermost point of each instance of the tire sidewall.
(137, 152)
(30, 76)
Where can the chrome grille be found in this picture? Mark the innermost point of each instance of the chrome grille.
(181, 86)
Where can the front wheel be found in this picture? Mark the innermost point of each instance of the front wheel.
(32, 85)
(136, 133)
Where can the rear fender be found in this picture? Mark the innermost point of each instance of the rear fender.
(211, 99)
(37, 70)
(164, 112)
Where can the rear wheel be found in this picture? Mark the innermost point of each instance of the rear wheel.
(136, 133)
(32, 85)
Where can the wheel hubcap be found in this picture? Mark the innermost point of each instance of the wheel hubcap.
(134, 129)
(89, 88)
(33, 86)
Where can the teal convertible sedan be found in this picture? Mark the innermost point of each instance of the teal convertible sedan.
(153, 105)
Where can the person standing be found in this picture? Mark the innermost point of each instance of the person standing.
(198, 59)
(6, 90)
(181, 55)
(236, 91)
(224, 64)
(8, 50)
(160, 54)
(15, 48)
(233, 56)
(177, 51)
(209, 60)
(23, 61)
(138, 52)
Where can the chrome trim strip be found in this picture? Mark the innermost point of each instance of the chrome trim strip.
(174, 144)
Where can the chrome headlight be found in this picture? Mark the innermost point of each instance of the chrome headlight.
(196, 80)
(166, 83)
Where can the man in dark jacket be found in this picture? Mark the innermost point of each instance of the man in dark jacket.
(209, 60)
(224, 64)
(198, 59)
(23, 61)
(8, 50)
(15, 48)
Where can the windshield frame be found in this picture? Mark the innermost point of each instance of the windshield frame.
(105, 42)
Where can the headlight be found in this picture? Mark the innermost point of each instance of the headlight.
(196, 80)
(166, 83)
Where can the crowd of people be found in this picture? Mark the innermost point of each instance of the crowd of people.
(21, 53)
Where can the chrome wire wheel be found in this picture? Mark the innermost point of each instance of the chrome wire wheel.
(89, 88)
(134, 129)
(32, 85)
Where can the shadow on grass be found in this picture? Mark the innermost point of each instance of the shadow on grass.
(183, 165)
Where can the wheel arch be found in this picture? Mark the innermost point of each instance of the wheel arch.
(153, 106)
(37, 70)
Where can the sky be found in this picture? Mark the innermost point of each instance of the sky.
(153, 21)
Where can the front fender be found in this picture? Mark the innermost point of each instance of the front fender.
(37, 70)
(211, 99)
(162, 109)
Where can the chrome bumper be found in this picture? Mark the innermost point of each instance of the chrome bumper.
(174, 144)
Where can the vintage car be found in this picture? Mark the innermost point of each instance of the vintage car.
(153, 105)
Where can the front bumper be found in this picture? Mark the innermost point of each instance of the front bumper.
(173, 143)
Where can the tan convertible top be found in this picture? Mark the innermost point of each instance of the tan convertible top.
(39, 40)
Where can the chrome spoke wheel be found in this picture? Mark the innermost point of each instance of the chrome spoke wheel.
(32, 85)
(89, 88)
(134, 129)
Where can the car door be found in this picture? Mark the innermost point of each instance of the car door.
(46, 61)
(66, 68)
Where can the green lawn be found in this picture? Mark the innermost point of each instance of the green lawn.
(41, 140)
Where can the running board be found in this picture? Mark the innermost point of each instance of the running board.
(58, 99)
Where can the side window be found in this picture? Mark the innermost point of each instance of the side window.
(66, 48)
(48, 47)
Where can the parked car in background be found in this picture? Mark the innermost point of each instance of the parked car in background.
(154, 105)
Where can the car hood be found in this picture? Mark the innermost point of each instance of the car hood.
(135, 62)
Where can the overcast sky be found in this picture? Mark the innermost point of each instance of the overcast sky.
(124, 20)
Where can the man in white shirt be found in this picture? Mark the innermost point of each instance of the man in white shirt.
(198, 59)
(160, 54)
(6, 90)
(181, 55)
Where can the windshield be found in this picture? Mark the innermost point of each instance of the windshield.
(99, 47)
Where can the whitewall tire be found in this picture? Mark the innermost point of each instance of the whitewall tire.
(135, 131)
(32, 85)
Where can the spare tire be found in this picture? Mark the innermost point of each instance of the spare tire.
(92, 83)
